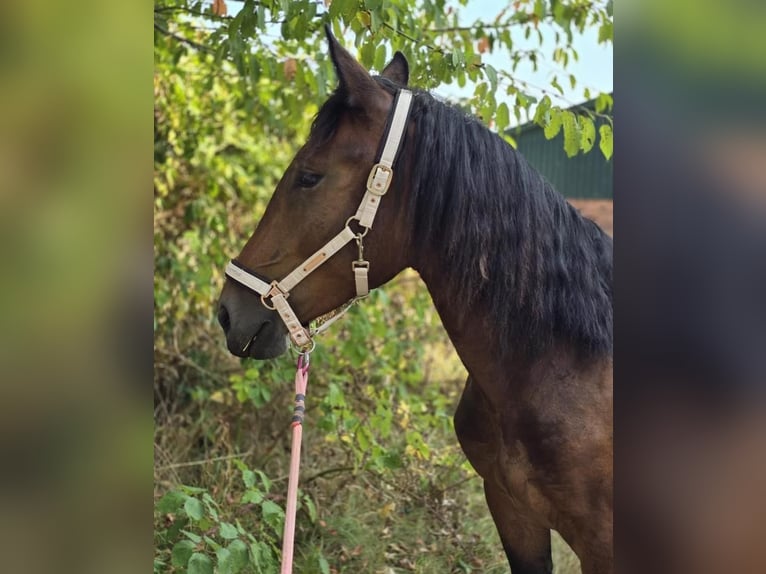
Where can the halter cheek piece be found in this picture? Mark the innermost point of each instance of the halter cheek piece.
(274, 295)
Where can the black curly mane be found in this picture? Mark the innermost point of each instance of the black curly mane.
(510, 242)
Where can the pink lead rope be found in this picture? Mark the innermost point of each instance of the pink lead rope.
(301, 380)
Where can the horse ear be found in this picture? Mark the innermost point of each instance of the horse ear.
(397, 70)
(353, 80)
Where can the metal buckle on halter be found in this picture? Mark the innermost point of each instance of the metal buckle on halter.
(379, 179)
(274, 289)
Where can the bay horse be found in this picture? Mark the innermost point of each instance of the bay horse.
(521, 281)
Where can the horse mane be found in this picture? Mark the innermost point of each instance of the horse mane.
(510, 241)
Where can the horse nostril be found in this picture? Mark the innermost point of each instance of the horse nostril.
(223, 317)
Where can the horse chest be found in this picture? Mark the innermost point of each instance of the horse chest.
(519, 476)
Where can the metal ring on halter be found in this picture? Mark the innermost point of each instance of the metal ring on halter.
(355, 218)
(274, 286)
(303, 350)
(265, 304)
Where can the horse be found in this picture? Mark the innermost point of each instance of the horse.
(521, 281)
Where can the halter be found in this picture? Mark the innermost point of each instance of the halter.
(274, 295)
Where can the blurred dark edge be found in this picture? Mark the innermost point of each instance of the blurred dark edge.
(690, 288)
(76, 290)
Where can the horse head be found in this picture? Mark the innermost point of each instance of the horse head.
(315, 198)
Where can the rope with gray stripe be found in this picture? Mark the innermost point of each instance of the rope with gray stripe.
(288, 538)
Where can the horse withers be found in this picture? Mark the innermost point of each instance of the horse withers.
(521, 281)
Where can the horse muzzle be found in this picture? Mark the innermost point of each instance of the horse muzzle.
(251, 329)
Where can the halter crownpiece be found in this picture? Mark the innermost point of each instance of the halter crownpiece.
(274, 295)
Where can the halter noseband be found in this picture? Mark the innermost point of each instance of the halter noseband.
(274, 295)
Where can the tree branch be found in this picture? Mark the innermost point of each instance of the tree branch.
(474, 26)
(319, 474)
(205, 461)
(183, 9)
(190, 43)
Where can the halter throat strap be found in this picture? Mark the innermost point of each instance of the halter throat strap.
(274, 295)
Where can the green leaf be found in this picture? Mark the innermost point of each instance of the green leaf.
(261, 555)
(310, 508)
(181, 552)
(271, 508)
(392, 460)
(375, 21)
(222, 557)
(540, 113)
(171, 502)
(237, 556)
(604, 102)
(571, 133)
(335, 396)
(228, 531)
(380, 58)
(248, 477)
(324, 566)
(261, 17)
(524, 100)
(587, 133)
(502, 117)
(348, 8)
(555, 84)
(272, 514)
(212, 543)
(511, 140)
(196, 538)
(334, 11)
(492, 75)
(367, 54)
(252, 496)
(199, 564)
(363, 438)
(192, 489)
(264, 480)
(211, 505)
(194, 508)
(605, 142)
(553, 124)
(606, 32)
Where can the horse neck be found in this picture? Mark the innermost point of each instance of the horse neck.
(467, 329)
(497, 374)
(471, 328)
(555, 265)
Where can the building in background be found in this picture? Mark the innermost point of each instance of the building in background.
(585, 176)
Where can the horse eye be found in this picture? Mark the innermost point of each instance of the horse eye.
(307, 179)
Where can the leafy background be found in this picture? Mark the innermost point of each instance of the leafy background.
(384, 485)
